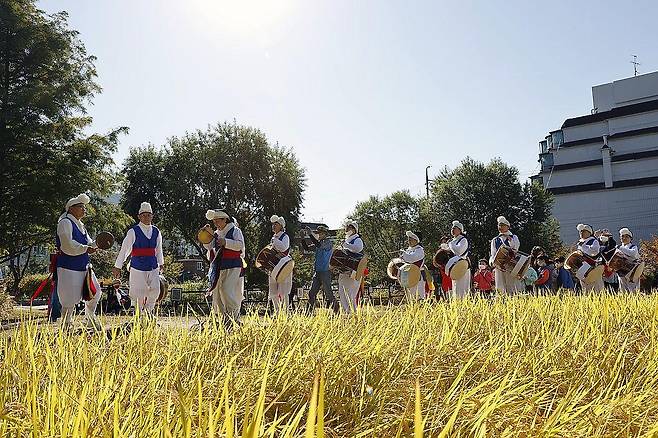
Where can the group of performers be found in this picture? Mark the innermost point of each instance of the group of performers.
(225, 247)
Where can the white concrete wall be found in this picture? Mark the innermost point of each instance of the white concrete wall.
(638, 143)
(585, 131)
(635, 208)
(634, 121)
(584, 175)
(625, 91)
(634, 169)
(573, 154)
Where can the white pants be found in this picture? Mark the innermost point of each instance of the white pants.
(348, 291)
(280, 293)
(596, 286)
(461, 287)
(627, 285)
(415, 293)
(227, 295)
(69, 291)
(144, 289)
(506, 282)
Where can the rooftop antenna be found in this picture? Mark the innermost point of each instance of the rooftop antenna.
(635, 64)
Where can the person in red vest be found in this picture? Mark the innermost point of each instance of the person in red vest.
(143, 243)
(225, 252)
(483, 281)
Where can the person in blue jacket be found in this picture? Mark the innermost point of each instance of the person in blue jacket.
(564, 279)
(323, 246)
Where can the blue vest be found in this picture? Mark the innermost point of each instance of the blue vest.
(230, 258)
(143, 245)
(74, 263)
(499, 242)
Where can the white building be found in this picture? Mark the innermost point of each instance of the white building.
(603, 167)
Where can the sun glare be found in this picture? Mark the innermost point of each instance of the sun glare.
(239, 17)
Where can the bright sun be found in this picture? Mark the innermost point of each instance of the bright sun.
(241, 17)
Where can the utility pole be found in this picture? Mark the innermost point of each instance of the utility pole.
(427, 181)
(635, 64)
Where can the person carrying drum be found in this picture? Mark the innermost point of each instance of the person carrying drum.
(348, 287)
(143, 243)
(506, 282)
(224, 253)
(459, 247)
(415, 254)
(630, 250)
(591, 248)
(323, 246)
(280, 290)
(73, 249)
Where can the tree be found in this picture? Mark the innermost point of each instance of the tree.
(649, 255)
(382, 225)
(46, 80)
(473, 193)
(226, 166)
(476, 194)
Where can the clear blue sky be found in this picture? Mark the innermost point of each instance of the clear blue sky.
(367, 93)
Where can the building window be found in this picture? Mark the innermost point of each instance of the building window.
(557, 138)
(543, 147)
(546, 161)
(199, 266)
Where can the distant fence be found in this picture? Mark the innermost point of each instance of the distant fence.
(180, 300)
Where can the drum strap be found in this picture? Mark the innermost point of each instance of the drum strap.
(465, 253)
(500, 241)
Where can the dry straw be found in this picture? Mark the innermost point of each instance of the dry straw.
(548, 366)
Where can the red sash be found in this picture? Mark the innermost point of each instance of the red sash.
(230, 254)
(143, 252)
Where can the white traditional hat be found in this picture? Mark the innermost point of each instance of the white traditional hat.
(587, 227)
(274, 219)
(353, 224)
(80, 199)
(502, 220)
(216, 214)
(145, 207)
(625, 231)
(458, 224)
(413, 235)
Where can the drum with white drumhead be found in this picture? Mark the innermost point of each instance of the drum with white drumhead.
(585, 268)
(407, 274)
(626, 267)
(274, 263)
(508, 260)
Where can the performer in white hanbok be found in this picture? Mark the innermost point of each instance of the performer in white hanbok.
(591, 249)
(143, 243)
(73, 248)
(459, 247)
(506, 282)
(225, 254)
(348, 286)
(415, 254)
(631, 251)
(280, 290)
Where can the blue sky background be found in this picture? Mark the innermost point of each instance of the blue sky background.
(367, 93)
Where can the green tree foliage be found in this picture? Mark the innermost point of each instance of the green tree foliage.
(382, 225)
(473, 193)
(476, 194)
(46, 154)
(226, 166)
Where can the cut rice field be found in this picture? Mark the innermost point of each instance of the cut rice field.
(560, 366)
